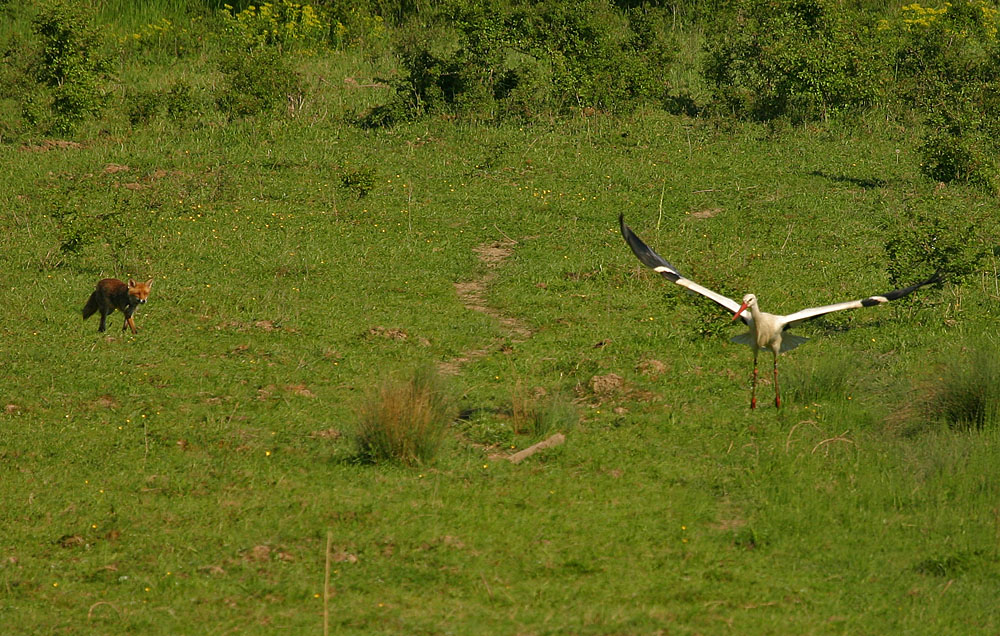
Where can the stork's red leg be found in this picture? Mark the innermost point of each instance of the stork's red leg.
(753, 383)
(777, 396)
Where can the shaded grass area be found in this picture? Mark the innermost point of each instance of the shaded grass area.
(189, 475)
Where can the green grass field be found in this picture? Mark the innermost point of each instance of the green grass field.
(187, 480)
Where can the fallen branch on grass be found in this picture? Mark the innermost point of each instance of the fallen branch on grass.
(555, 440)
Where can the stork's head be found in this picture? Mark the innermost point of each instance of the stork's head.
(748, 301)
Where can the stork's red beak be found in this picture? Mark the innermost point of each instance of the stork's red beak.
(739, 311)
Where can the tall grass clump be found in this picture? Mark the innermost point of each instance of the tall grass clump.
(539, 414)
(404, 419)
(964, 394)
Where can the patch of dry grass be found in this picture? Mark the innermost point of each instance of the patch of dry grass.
(404, 419)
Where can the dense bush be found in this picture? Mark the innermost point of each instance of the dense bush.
(254, 41)
(931, 240)
(58, 77)
(949, 64)
(256, 82)
(801, 59)
(500, 60)
(178, 102)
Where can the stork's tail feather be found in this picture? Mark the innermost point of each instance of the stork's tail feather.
(789, 341)
(743, 339)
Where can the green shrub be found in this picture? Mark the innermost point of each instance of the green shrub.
(352, 25)
(497, 60)
(801, 59)
(178, 102)
(949, 63)
(930, 241)
(142, 106)
(257, 77)
(182, 101)
(404, 420)
(256, 82)
(70, 69)
(168, 39)
(955, 149)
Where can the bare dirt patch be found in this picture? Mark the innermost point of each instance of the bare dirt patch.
(52, 144)
(607, 385)
(493, 254)
(707, 213)
(652, 367)
(472, 293)
(389, 333)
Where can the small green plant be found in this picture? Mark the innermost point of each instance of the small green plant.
(819, 378)
(360, 181)
(405, 419)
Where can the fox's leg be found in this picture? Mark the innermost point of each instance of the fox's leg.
(129, 323)
(104, 319)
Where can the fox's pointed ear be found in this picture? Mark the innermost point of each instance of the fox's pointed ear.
(149, 283)
(131, 283)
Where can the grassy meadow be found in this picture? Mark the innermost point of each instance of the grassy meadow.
(200, 476)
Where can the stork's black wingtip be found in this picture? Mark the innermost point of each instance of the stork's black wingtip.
(626, 230)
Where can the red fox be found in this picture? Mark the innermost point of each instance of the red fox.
(112, 294)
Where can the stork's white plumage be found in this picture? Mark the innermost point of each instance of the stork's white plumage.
(767, 331)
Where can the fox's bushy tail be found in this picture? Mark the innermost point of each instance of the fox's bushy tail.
(92, 305)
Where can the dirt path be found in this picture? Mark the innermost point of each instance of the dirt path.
(472, 293)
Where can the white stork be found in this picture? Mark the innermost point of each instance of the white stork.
(767, 331)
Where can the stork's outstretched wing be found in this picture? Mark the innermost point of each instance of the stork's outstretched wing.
(657, 263)
(813, 312)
